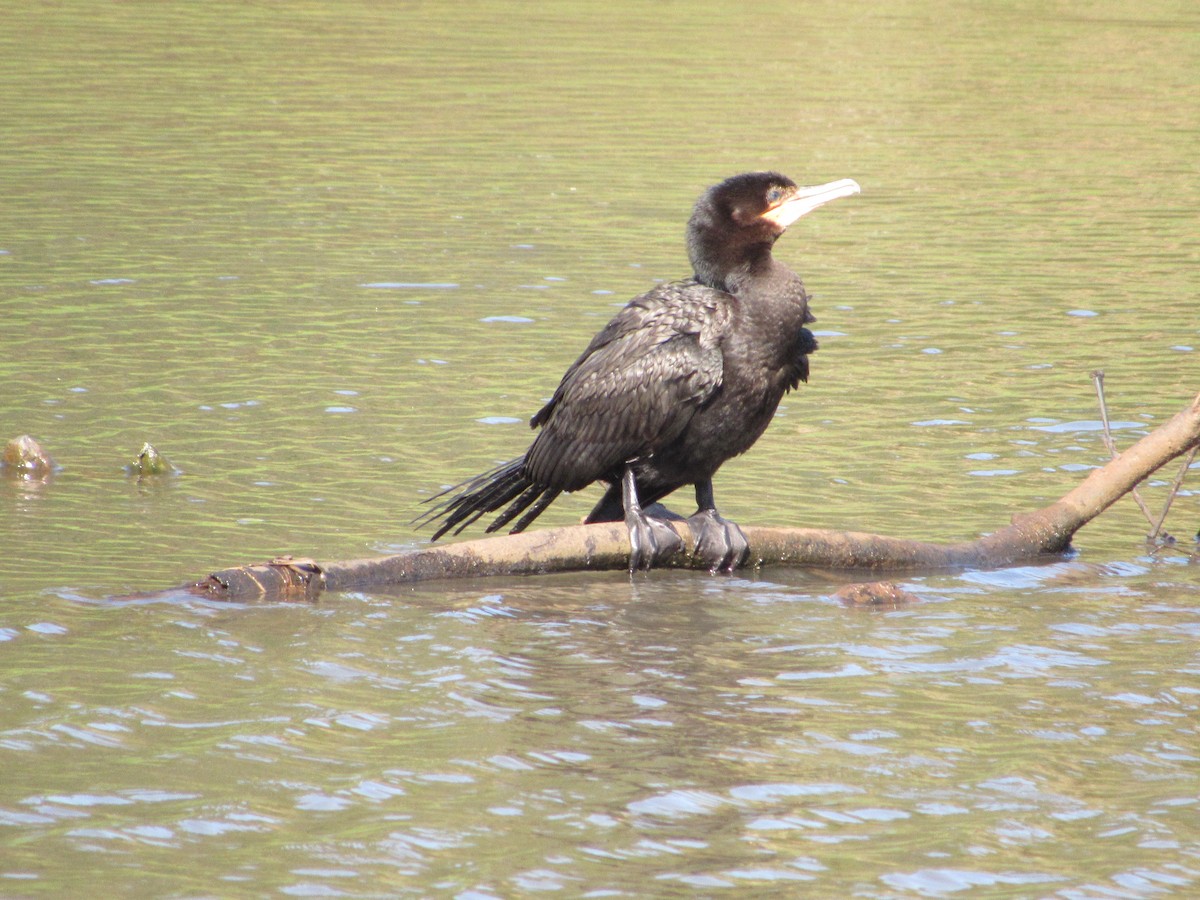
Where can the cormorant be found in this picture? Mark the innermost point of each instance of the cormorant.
(684, 377)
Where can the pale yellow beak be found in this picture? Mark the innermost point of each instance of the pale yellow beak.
(806, 199)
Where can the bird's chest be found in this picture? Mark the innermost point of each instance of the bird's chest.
(762, 354)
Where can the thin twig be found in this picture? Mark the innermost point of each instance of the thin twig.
(1098, 380)
(1187, 464)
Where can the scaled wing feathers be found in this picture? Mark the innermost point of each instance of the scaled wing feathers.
(633, 390)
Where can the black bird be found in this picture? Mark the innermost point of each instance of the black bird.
(684, 377)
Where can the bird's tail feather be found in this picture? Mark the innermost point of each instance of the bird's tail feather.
(478, 496)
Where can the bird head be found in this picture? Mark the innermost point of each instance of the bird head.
(735, 223)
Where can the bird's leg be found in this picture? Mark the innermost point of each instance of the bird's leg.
(719, 542)
(649, 539)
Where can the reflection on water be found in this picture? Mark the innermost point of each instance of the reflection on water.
(582, 731)
(330, 259)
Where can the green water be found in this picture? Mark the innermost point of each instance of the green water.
(328, 258)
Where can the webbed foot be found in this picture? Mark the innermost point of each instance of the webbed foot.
(650, 540)
(719, 542)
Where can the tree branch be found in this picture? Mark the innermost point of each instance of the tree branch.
(1098, 381)
(605, 546)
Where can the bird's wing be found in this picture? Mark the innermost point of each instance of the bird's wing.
(635, 387)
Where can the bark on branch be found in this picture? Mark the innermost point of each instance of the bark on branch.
(606, 546)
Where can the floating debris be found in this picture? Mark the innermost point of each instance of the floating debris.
(874, 593)
(150, 462)
(25, 458)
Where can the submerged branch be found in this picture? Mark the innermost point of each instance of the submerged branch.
(605, 546)
(1175, 485)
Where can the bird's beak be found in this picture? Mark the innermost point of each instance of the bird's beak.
(806, 199)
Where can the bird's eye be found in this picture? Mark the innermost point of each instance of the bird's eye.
(774, 195)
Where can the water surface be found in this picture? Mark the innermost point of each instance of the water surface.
(329, 258)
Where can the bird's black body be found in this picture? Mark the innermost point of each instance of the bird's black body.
(684, 377)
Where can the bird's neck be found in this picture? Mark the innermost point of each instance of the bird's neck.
(727, 270)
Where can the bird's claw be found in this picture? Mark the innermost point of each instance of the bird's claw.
(717, 541)
(650, 540)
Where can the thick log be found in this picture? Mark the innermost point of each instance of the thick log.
(606, 546)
